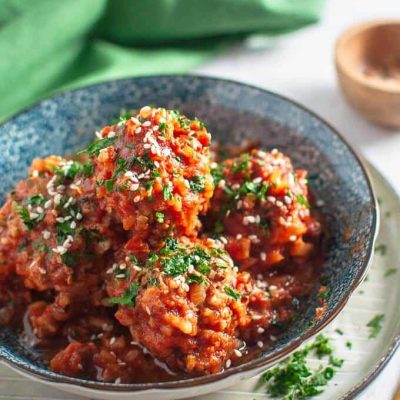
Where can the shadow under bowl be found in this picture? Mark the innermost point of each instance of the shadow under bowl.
(233, 112)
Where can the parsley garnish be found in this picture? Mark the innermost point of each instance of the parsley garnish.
(29, 222)
(242, 165)
(375, 325)
(197, 183)
(159, 217)
(167, 192)
(389, 272)
(94, 148)
(87, 168)
(302, 200)
(231, 292)
(293, 379)
(381, 249)
(129, 297)
(36, 200)
(69, 259)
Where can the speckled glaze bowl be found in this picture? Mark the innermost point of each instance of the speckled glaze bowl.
(233, 112)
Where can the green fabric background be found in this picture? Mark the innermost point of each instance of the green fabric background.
(48, 45)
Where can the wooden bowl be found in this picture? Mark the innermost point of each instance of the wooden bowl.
(367, 58)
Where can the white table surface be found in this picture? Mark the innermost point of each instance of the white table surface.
(301, 67)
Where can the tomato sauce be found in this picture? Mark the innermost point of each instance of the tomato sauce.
(142, 259)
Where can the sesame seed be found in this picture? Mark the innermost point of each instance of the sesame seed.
(271, 199)
(137, 268)
(35, 173)
(48, 203)
(111, 134)
(136, 199)
(221, 183)
(274, 151)
(112, 340)
(293, 238)
(273, 338)
(42, 270)
(287, 200)
(228, 363)
(263, 256)
(73, 225)
(260, 343)
(260, 330)
(120, 276)
(155, 128)
(238, 353)
(98, 135)
(46, 235)
(239, 236)
(39, 210)
(118, 381)
(319, 203)
(145, 109)
(148, 310)
(79, 216)
(33, 215)
(279, 203)
(138, 130)
(146, 123)
(146, 146)
(122, 266)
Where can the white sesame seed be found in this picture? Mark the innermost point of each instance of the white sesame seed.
(293, 238)
(147, 146)
(138, 130)
(137, 268)
(319, 203)
(136, 199)
(39, 210)
(35, 173)
(48, 203)
(46, 235)
(260, 343)
(42, 270)
(79, 216)
(221, 183)
(238, 353)
(260, 330)
(111, 134)
(273, 338)
(112, 340)
(287, 200)
(98, 135)
(33, 215)
(228, 363)
(155, 128)
(274, 151)
(118, 381)
(263, 256)
(271, 199)
(146, 123)
(73, 225)
(148, 310)
(145, 109)
(239, 236)
(257, 180)
(279, 203)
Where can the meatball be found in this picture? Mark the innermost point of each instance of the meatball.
(184, 304)
(153, 174)
(261, 205)
(54, 237)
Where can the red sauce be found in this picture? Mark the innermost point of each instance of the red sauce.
(107, 270)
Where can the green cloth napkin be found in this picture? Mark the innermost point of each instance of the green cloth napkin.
(48, 45)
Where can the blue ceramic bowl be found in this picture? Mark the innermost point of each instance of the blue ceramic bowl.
(233, 112)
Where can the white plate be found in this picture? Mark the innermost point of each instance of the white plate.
(377, 295)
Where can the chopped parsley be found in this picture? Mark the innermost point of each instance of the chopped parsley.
(69, 259)
(167, 192)
(339, 331)
(159, 217)
(294, 379)
(87, 169)
(94, 149)
(25, 216)
(128, 298)
(375, 325)
(381, 249)
(231, 292)
(36, 200)
(389, 272)
(242, 165)
(302, 200)
(197, 183)
(349, 345)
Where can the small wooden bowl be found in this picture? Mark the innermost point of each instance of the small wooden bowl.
(367, 59)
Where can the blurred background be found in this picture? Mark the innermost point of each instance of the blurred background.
(286, 46)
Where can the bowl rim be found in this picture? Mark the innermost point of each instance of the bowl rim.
(256, 363)
(344, 67)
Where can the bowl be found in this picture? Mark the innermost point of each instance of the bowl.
(233, 112)
(368, 69)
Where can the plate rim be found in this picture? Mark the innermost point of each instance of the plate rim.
(256, 364)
